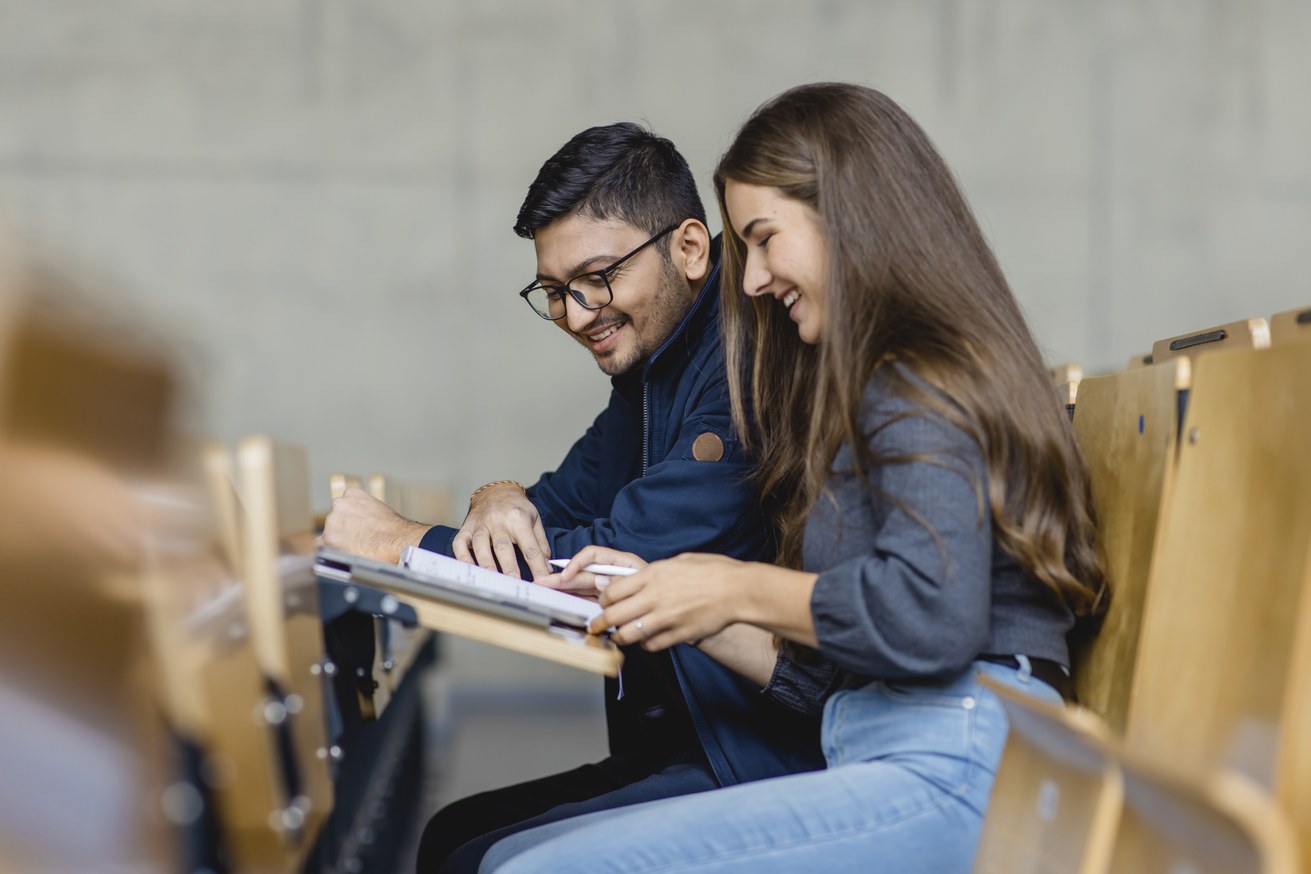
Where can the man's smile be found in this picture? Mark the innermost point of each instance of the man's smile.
(602, 340)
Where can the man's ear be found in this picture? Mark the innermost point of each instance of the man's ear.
(690, 248)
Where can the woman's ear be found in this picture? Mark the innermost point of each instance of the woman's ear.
(690, 249)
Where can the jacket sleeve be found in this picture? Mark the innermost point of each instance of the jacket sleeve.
(916, 602)
(564, 497)
(803, 685)
(681, 504)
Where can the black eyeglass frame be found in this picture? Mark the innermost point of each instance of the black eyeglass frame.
(604, 273)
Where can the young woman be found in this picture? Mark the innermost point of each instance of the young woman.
(931, 506)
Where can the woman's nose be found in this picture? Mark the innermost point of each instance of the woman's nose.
(755, 278)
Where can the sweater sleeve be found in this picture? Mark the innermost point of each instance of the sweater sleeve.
(912, 597)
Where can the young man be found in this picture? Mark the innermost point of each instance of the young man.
(627, 268)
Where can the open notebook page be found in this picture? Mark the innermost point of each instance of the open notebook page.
(446, 568)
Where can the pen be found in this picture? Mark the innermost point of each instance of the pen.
(609, 570)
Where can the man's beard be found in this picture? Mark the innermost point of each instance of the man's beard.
(667, 308)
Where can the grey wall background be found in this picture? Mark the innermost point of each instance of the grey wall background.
(314, 197)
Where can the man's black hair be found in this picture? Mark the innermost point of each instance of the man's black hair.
(619, 171)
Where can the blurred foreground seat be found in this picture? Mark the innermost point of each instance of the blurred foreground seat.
(86, 761)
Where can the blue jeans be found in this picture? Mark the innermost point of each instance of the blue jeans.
(910, 769)
(481, 815)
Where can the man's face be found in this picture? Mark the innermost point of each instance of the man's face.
(650, 294)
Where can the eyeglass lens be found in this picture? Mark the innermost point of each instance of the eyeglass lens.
(590, 290)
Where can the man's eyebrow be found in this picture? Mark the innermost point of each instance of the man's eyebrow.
(581, 267)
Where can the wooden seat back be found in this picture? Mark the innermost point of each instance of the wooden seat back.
(1222, 823)
(1219, 622)
(1070, 798)
(1066, 378)
(220, 476)
(1056, 800)
(1293, 772)
(338, 483)
(240, 654)
(1126, 425)
(372, 705)
(396, 647)
(1291, 326)
(220, 706)
(281, 603)
(1245, 334)
(1139, 360)
(418, 501)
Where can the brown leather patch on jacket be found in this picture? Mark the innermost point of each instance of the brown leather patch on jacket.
(708, 447)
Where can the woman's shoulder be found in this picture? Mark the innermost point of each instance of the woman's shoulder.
(896, 390)
(906, 412)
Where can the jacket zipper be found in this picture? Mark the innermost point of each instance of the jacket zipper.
(646, 422)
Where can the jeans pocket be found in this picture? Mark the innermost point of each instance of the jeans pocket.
(925, 730)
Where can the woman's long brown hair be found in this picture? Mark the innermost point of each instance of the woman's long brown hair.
(911, 279)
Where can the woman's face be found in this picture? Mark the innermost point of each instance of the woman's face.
(786, 255)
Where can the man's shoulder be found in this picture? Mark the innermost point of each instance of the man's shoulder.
(702, 378)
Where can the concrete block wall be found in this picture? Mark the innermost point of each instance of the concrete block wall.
(314, 197)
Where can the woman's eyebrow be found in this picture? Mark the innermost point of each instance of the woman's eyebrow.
(746, 232)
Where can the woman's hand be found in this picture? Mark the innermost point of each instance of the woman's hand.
(681, 600)
(576, 581)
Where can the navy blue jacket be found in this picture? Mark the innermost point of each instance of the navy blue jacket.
(632, 482)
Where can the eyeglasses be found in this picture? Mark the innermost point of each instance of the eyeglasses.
(590, 290)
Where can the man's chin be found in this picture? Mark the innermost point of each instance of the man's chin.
(618, 363)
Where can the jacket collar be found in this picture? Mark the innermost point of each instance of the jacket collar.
(700, 317)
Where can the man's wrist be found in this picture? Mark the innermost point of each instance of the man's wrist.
(492, 485)
(410, 534)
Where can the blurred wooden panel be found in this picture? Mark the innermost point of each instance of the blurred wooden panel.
(1056, 801)
(1221, 823)
(86, 760)
(281, 600)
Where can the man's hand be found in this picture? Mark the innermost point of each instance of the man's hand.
(501, 518)
(360, 524)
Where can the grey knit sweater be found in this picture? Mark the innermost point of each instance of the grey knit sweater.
(892, 600)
